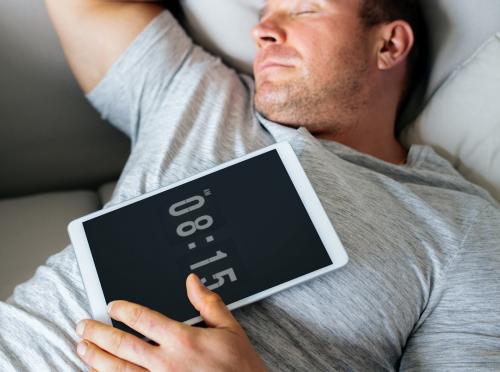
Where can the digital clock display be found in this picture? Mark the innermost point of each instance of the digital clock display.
(242, 229)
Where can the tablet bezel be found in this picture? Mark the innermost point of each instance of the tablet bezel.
(304, 189)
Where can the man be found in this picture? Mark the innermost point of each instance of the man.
(421, 288)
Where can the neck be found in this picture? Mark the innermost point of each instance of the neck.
(372, 142)
(372, 133)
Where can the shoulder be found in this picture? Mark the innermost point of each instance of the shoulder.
(443, 180)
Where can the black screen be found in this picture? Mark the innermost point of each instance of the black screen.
(245, 224)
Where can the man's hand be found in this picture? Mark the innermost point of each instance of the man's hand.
(223, 346)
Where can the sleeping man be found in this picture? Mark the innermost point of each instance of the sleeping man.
(421, 289)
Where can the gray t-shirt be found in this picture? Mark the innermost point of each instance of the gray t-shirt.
(421, 290)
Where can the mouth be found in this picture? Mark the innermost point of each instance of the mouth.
(270, 64)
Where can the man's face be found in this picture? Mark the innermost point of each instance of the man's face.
(313, 63)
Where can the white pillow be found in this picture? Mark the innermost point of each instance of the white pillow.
(462, 120)
(457, 28)
(224, 29)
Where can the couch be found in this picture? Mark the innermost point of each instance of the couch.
(59, 160)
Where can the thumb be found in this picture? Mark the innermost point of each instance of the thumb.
(210, 305)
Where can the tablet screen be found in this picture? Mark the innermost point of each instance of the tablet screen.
(242, 229)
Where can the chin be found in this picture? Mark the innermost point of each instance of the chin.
(280, 117)
(269, 109)
(270, 101)
(279, 108)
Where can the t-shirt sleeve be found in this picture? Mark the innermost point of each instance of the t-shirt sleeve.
(462, 329)
(133, 86)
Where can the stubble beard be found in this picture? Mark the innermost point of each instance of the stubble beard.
(320, 103)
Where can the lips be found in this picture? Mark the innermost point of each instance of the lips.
(275, 57)
(270, 63)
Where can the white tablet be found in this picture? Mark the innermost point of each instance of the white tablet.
(248, 228)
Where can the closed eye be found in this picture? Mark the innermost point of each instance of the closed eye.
(304, 12)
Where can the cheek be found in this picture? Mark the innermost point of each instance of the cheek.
(335, 57)
(320, 48)
(327, 37)
(322, 60)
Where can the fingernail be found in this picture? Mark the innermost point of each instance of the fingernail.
(110, 306)
(80, 328)
(81, 349)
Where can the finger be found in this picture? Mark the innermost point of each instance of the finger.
(101, 360)
(149, 323)
(210, 305)
(119, 343)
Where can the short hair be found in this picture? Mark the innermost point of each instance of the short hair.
(374, 12)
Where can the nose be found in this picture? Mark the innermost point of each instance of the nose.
(268, 32)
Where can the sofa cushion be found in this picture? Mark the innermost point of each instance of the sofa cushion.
(50, 136)
(105, 192)
(33, 228)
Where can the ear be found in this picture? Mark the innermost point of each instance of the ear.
(396, 41)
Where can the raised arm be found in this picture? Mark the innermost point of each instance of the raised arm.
(94, 33)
